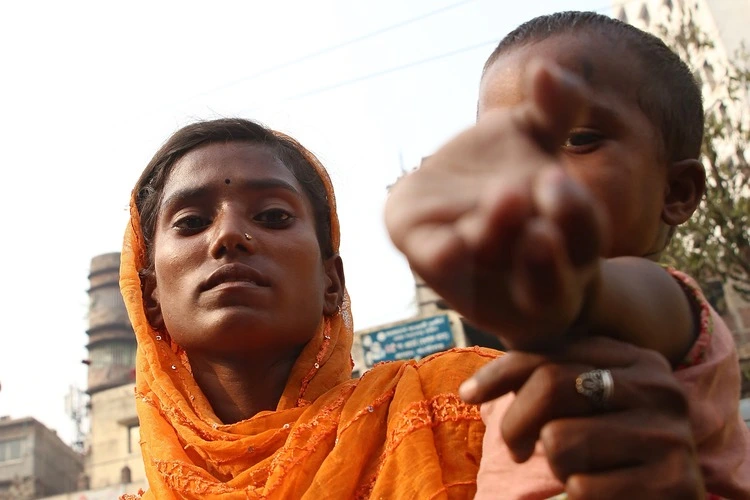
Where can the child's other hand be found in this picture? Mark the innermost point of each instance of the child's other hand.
(492, 223)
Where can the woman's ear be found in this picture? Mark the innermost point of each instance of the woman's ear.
(335, 285)
(686, 185)
(151, 300)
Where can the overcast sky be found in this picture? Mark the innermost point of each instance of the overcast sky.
(89, 91)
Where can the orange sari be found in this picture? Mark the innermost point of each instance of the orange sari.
(400, 431)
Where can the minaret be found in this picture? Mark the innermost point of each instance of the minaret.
(111, 340)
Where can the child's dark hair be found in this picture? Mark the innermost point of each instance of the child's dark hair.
(671, 99)
(150, 187)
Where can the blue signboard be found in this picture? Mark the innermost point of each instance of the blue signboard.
(408, 340)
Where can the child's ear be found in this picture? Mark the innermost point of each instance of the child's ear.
(151, 300)
(686, 184)
(335, 285)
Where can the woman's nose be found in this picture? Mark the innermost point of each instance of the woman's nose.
(232, 235)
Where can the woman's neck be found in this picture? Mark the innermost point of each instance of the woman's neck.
(239, 387)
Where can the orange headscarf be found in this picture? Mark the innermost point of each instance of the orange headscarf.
(400, 431)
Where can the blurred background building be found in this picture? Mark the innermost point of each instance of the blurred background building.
(113, 442)
(34, 461)
(112, 463)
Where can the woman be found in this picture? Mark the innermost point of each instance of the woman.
(236, 292)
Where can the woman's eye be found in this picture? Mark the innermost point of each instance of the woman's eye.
(582, 139)
(191, 223)
(275, 217)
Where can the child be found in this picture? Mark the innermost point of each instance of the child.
(544, 222)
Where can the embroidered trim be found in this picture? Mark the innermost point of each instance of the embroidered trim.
(174, 414)
(183, 477)
(698, 304)
(383, 398)
(310, 433)
(418, 415)
(483, 352)
(446, 487)
(130, 496)
(318, 362)
(441, 408)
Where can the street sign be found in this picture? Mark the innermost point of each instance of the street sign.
(412, 339)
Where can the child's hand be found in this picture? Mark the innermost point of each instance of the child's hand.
(492, 223)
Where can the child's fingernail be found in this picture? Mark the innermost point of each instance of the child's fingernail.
(468, 389)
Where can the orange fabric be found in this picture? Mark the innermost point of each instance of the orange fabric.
(400, 431)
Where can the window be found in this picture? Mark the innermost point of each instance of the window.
(123, 354)
(134, 438)
(10, 450)
(114, 353)
(622, 16)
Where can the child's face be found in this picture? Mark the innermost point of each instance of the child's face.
(617, 152)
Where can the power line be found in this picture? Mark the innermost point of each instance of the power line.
(340, 45)
(373, 34)
(420, 62)
(394, 69)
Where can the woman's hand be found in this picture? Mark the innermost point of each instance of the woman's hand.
(636, 444)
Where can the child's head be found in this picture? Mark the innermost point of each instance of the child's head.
(638, 150)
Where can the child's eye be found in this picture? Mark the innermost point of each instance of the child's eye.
(582, 140)
(275, 218)
(191, 223)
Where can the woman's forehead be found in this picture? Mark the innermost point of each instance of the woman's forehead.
(230, 162)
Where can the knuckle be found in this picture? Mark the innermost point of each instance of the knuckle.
(660, 390)
(655, 360)
(563, 450)
(680, 477)
(663, 434)
(671, 397)
(578, 488)
(550, 378)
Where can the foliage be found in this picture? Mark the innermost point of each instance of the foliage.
(715, 243)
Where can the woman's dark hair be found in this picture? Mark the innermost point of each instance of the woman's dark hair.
(669, 94)
(150, 187)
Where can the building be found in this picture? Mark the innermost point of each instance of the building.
(724, 21)
(113, 443)
(111, 340)
(34, 461)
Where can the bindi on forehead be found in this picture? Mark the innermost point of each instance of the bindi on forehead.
(227, 181)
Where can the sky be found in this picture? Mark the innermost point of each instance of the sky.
(90, 90)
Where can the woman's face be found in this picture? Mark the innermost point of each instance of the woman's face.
(237, 263)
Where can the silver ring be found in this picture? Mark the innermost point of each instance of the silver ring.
(597, 385)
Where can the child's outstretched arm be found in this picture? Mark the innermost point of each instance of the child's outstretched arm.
(637, 301)
(494, 225)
